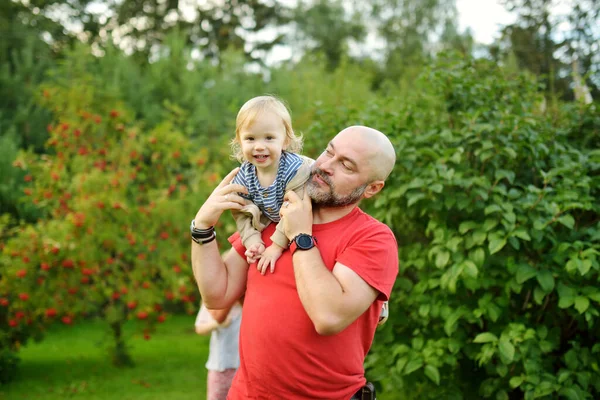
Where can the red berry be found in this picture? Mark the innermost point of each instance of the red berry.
(51, 312)
(131, 305)
(45, 266)
(67, 320)
(21, 273)
(24, 296)
(142, 315)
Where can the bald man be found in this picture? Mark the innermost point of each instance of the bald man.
(307, 328)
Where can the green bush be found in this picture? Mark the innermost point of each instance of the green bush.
(494, 202)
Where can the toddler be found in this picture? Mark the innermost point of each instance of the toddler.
(267, 147)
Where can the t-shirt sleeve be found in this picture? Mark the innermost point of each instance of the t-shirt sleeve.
(236, 243)
(373, 255)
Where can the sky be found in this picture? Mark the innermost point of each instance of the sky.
(484, 17)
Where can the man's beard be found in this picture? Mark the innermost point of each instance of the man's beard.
(331, 198)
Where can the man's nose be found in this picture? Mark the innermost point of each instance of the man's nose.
(326, 166)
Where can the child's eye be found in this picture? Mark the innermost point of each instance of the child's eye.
(270, 138)
(249, 138)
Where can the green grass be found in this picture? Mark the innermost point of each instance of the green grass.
(73, 362)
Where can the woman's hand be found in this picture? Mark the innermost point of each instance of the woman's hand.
(224, 197)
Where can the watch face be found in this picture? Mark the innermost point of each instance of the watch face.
(304, 242)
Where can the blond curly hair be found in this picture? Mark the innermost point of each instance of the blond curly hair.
(254, 107)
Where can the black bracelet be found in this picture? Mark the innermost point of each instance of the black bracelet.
(202, 241)
(201, 233)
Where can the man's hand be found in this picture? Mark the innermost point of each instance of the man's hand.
(269, 258)
(296, 214)
(254, 252)
(224, 197)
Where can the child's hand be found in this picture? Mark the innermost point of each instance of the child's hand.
(254, 252)
(269, 257)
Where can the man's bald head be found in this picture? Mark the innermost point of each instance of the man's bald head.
(378, 149)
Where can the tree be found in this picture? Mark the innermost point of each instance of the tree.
(112, 238)
(409, 28)
(327, 28)
(546, 50)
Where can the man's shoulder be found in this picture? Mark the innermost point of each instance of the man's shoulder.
(372, 224)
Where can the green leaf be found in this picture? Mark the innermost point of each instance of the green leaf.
(470, 269)
(414, 197)
(516, 381)
(546, 280)
(571, 394)
(565, 301)
(401, 363)
(510, 217)
(489, 224)
(524, 273)
(441, 259)
(522, 234)
(595, 296)
(413, 365)
(492, 209)
(584, 267)
(417, 343)
(502, 395)
(436, 188)
(485, 337)
(581, 304)
(479, 237)
(432, 373)
(539, 225)
(567, 220)
(477, 256)
(502, 173)
(496, 244)
(538, 295)
(501, 369)
(506, 349)
(466, 226)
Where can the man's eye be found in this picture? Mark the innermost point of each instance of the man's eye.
(328, 153)
(348, 167)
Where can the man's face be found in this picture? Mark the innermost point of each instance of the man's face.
(340, 174)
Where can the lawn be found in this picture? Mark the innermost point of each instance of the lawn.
(72, 362)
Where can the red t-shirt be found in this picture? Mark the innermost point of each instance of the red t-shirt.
(281, 354)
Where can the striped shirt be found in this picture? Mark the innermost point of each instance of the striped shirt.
(268, 200)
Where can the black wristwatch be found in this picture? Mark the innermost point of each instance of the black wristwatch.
(202, 236)
(302, 242)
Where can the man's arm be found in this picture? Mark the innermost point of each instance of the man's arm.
(333, 300)
(221, 281)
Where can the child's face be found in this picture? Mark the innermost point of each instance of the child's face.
(263, 141)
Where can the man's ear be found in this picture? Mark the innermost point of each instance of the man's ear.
(373, 188)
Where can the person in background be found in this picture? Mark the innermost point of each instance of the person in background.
(223, 326)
